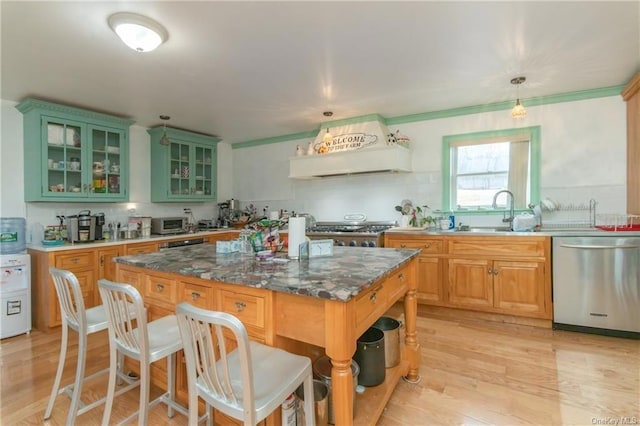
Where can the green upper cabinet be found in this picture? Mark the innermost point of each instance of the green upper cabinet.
(73, 154)
(185, 169)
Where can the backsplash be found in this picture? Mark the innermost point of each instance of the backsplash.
(45, 213)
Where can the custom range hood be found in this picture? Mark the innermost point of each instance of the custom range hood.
(355, 148)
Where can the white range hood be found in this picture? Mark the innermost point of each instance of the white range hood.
(355, 148)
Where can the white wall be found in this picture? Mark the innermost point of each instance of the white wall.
(583, 157)
(12, 181)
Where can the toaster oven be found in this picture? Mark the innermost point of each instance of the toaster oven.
(168, 225)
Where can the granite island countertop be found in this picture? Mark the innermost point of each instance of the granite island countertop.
(339, 277)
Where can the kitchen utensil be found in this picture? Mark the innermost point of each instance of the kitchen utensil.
(407, 206)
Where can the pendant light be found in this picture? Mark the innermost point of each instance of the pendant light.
(139, 32)
(164, 140)
(518, 110)
(328, 137)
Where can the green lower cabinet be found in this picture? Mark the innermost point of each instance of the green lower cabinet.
(73, 154)
(183, 165)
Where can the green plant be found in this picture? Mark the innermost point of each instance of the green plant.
(417, 218)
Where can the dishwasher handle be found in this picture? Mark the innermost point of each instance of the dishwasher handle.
(597, 247)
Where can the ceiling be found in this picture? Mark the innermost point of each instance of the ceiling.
(250, 70)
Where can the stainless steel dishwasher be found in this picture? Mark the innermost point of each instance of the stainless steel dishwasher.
(596, 284)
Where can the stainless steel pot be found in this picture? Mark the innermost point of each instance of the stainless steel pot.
(128, 234)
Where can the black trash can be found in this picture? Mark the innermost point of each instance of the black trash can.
(370, 357)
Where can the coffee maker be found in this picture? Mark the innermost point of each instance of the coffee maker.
(81, 227)
(99, 223)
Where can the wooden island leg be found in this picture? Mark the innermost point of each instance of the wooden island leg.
(412, 348)
(340, 345)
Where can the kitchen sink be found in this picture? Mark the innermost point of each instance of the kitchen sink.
(484, 229)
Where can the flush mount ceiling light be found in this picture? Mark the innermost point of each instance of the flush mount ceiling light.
(164, 140)
(518, 110)
(140, 33)
(327, 138)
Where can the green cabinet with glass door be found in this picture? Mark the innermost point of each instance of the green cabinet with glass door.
(73, 154)
(184, 168)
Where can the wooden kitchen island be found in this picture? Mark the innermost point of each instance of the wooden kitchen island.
(311, 307)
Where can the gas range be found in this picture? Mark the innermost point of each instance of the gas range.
(351, 233)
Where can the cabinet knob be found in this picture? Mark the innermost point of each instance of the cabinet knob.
(159, 287)
(490, 271)
(374, 294)
(401, 276)
(403, 246)
(240, 306)
(427, 246)
(195, 295)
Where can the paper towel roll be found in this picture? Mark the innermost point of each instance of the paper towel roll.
(296, 236)
(274, 215)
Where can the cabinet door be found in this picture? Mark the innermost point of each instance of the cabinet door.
(430, 289)
(518, 287)
(106, 265)
(107, 163)
(62, 145)
(470, 283)
(180, 169)
(87, 279)
(203, 177)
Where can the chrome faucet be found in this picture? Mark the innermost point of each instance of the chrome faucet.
(511, 207)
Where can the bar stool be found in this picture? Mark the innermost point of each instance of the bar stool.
(84, 322)
(247, 383)
(144, 342)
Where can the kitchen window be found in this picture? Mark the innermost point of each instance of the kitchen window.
(477, 165)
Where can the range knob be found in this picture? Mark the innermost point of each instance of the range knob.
(353, 243)
(364, 244)
(340, 243)
(372, 244)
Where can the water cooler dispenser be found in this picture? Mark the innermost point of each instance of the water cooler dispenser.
(15, 279)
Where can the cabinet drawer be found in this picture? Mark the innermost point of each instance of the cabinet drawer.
(198, 295)
(161, 289)
(426, 246)
(373, 303)
(248, 308)
(75, 260)
(397, 284)
(495, 246)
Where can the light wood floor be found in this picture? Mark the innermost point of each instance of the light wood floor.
(473, 373)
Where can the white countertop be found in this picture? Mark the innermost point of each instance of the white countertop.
(107, 243)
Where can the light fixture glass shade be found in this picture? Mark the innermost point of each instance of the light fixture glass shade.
(164, 140)
(140, 33)
(327, 138)
(518, 110)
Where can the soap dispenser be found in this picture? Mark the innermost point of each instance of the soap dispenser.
(310, 150)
